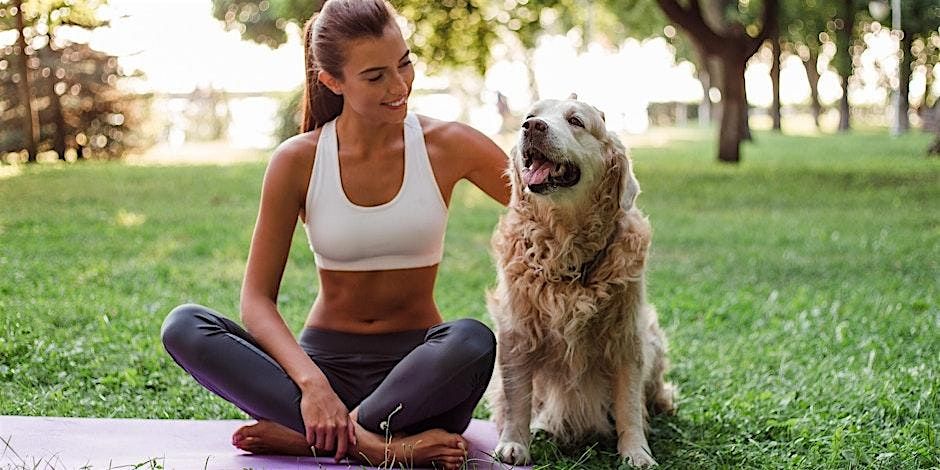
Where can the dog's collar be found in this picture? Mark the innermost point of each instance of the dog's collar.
(588, 268)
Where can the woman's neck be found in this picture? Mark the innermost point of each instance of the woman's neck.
(366, 137)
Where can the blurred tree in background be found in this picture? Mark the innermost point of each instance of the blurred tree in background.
(719, 37)
(59, 95)
(728, 32)
(920, 46)
(455, 34)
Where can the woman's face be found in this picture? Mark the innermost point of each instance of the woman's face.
(377, 77)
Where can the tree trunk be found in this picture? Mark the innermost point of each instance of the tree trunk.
(705, 106)
(733, 108)
(732, 47)
(745, 116)
(844, 61)
(58, 118)
(844, 124)
(929, 99)
(703, 73)
(775, 81)
(812, 74)
(30, 119)
(904, 87)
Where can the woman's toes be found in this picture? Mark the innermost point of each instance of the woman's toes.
(248, 444)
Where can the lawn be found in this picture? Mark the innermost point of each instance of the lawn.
(799, 291)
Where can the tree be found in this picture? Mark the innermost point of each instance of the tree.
(932, 124)
(844, 27)
(775, 77)
(802, 24)
(920, 19)
(459, 33)
(27, 115)
(721, 29)
(72, 89)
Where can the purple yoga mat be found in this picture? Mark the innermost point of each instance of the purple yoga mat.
(92, 443)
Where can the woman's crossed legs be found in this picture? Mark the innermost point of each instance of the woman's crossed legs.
(412, 392)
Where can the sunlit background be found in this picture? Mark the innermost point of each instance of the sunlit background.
(185, 56)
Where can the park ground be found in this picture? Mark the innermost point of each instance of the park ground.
(799, 291)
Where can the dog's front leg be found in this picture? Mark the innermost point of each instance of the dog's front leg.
(514, 437)
(628, 414)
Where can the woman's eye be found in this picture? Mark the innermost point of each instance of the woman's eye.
(404, 64)
(574, 121)
(375, 78)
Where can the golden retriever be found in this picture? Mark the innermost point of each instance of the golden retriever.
(577, 341)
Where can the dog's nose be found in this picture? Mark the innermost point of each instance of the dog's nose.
(534, 123)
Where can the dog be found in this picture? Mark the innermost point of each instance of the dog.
(577, 341)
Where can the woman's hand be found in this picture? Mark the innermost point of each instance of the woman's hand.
(327, 422)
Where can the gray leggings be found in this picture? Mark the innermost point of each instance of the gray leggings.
(435, 376)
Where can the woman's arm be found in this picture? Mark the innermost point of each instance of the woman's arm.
(282, 198)
(480, 160)
(488, 165)
(281, 202)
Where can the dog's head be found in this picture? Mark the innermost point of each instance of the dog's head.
(564, 150)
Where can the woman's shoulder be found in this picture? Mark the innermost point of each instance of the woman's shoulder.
(291, 163)
(299, 149)
(451, 135)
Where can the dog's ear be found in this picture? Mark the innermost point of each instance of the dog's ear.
(513, 172)
(573, 96)
(629, 186)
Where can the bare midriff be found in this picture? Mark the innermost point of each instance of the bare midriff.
(375, 302)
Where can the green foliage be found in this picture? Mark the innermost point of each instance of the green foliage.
(73, 87)
(454, 33)
(45, 15)
(288, 115)
(801, 21)
(263, 21)
(637, 18)
(921, 18)
(799, 292)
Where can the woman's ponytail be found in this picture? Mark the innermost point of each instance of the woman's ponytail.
(320, 104)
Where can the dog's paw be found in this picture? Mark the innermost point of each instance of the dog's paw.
(513, 453)
(638, 458)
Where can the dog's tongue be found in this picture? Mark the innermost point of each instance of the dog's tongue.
(537, 173)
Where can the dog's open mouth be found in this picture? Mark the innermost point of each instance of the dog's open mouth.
(542, 174)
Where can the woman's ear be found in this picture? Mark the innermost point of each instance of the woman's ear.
(330, 81)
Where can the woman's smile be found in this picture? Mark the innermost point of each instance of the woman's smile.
(397, 104)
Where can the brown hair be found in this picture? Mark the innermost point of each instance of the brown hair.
(325, 35)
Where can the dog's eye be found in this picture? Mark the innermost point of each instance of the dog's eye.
(575, 121)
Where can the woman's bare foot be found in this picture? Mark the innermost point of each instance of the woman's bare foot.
(435, 446)
(268, 437)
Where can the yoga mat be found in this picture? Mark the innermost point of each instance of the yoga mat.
(92, 443)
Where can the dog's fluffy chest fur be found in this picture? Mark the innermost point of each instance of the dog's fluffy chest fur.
(558, 305)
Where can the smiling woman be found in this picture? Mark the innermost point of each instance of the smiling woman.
(371, 183)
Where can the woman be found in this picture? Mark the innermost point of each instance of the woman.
(371, 183)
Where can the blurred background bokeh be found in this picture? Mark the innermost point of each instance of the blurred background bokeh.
(207, 80)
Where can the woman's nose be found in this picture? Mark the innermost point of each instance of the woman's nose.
(398, 84)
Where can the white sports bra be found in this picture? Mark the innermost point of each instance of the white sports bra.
(405, 232)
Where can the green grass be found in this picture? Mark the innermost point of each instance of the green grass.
(799, 291)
